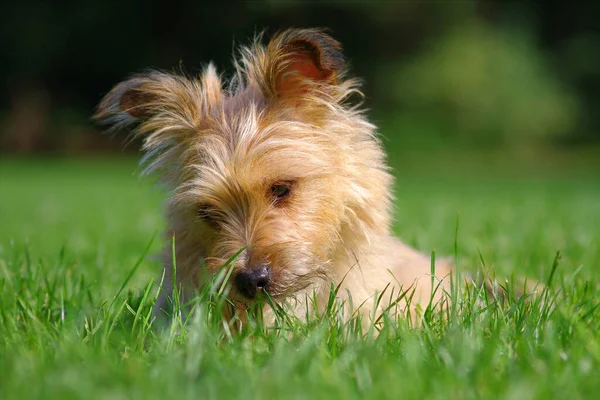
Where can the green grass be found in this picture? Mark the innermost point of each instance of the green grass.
(72, 233)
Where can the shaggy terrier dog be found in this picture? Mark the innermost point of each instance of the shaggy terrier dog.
(281, 167)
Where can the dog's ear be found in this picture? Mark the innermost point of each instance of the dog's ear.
(156, 99)
(302, 61)
(167, 110)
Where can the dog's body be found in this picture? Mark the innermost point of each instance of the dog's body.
(278, 165)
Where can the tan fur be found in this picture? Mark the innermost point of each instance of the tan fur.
(285, 117)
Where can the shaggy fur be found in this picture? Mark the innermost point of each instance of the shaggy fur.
(279, 163)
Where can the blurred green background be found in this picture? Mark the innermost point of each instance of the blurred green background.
(439, 75)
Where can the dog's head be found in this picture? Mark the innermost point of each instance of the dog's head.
(278, 163)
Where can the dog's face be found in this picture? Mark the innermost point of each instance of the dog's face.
(270, 186)
(277, 165)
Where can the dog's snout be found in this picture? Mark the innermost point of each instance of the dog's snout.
(251, 280)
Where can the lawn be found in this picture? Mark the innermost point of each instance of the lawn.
(73, 233)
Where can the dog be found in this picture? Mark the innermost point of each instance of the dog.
(281, 168)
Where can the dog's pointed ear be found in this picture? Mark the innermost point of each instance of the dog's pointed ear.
(166, 109)
(156, 100)
(301, 61)
(125, 103)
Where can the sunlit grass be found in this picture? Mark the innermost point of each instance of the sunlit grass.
(78, 282)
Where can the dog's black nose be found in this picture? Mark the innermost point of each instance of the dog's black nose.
(249, 281)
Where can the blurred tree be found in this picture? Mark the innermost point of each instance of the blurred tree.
(484, 85)
(58, 58)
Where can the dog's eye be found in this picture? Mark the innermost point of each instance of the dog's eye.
(281, 190)
(206, 212)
